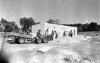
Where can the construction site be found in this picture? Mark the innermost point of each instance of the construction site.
(49, 43)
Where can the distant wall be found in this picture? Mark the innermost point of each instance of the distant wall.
(37, 27)
(58, 28)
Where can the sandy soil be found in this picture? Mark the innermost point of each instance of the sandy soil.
(34, 53)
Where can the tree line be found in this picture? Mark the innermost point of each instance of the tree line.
(11, 26)
(92, 26)
(27, 23)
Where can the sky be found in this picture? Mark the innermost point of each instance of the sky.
(67, 11)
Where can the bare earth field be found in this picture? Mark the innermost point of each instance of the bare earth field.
(34, 53)
(94, 44)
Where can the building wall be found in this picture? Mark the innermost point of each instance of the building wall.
(58, 28)
(37, 27)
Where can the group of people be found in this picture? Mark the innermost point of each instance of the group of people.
(53, 35)
(68, 33)
(50, 36)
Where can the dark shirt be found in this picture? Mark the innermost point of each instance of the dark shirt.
(38, 34)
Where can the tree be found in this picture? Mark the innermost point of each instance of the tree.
(8, 28)
(92, 26)
(16, 28)
(85, 27)
(11, 27)
(98, 28)
(26, 24)
(4, 21)
(53, 21)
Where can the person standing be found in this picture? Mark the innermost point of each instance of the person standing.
(47, 34)
(56, 35)
(71, 34)
(52, 34)
(64, 34)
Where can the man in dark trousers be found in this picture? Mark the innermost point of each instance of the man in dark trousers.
(71, 34)
(17, 40)
(52, 34)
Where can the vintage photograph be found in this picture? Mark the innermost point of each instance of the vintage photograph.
(49, 31)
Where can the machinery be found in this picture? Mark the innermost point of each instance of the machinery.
(20, 38)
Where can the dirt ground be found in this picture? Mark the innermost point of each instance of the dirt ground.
(87, 48)
(94, 45)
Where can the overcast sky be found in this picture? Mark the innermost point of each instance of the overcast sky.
(67, 11)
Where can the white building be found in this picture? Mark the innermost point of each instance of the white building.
(58, 28)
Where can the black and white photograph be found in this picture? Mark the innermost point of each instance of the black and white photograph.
(49, 31)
